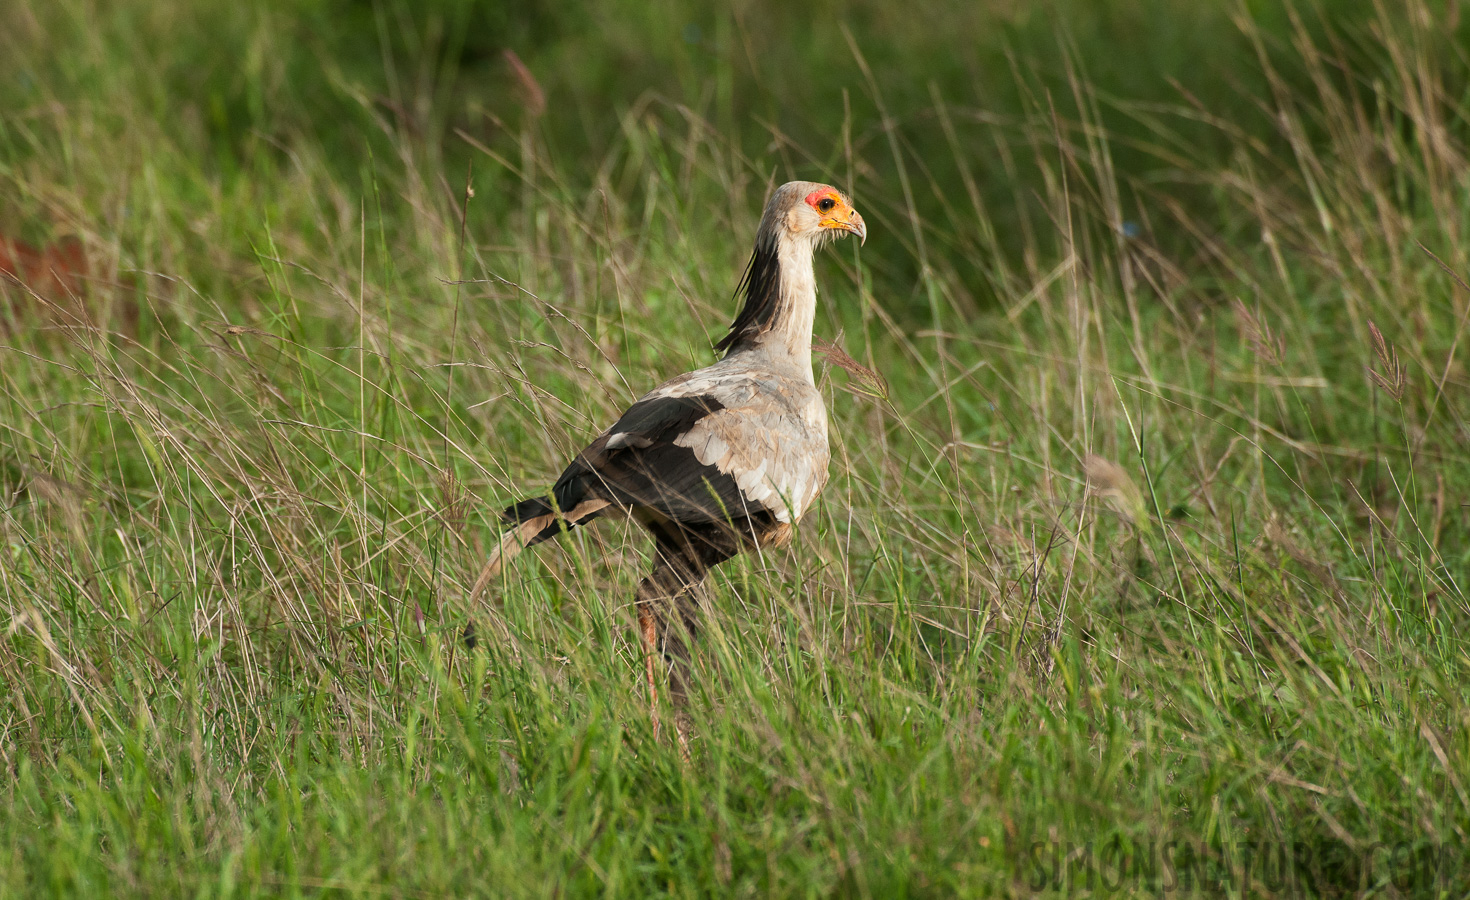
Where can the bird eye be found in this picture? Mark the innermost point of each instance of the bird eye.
(826, 204)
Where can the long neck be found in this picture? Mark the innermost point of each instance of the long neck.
(780, 304)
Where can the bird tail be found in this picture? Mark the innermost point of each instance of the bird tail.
(532, 521)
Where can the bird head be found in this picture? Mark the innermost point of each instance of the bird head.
(801, 215)
(816, 212)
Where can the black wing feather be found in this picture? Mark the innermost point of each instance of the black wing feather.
(646, 470)
(649, 470)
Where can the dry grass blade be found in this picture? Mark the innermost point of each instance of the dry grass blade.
(533, 98)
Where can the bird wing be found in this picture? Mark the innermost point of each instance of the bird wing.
(708, 447)
(775, 450)
(637, 463)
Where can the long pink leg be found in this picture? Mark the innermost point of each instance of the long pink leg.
(648, 632)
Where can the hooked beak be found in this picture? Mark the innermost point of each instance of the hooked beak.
(851, 223)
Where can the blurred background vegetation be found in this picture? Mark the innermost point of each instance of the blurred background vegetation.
(935, 109)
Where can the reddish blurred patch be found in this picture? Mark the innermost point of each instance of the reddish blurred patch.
(56, 270)
(50, 284)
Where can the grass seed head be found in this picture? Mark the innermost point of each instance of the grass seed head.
(1109, 481)
(1269, 346)
(1394, 377)
(861, 379)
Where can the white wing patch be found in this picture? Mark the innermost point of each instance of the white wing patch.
(624, 439)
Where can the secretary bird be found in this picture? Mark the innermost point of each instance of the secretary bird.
(716, 461)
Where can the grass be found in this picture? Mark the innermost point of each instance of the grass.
(1141, 568)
